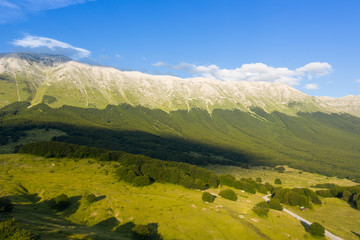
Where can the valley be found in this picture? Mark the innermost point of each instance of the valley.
(32, 181)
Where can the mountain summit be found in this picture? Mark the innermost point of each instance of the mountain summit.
(57, 81)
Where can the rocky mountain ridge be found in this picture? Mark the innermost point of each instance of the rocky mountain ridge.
(57, 81)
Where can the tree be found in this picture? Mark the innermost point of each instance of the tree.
(316, 229)
(141, 181)
(228, 194)
(261, 209)
(346, 195)
(60, 203)
(208, 197)
(275, 204)
(277, 181)
(91, 198)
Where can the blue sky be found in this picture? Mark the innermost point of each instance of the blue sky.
(312, 45)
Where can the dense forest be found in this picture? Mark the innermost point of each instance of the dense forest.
(314, 142)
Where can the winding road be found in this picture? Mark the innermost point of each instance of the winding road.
(327, 233)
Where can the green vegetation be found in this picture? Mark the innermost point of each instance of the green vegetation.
(136, 169)
(91, 198)
(30, 182)
(327, 144)
(60, 203)
(277, 181)
(275, 204)
(228, 194)
(207, 197)
(11, 230)
(145, 232)
(349, 194)
(296, 196)
(261, 209)
(317, 229)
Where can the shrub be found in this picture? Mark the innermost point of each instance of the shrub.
(60, 203)
(141, 181)
(146, 232)
(358, 204)
(262, 189)
(275, 204)
(269, 187)
(280, 169)
(228, 194)
(258, 179)
(6, 205)
(91, 198)
(277, 181)
(208, 197)
(261, 209)
(10, 229)
(316, 229)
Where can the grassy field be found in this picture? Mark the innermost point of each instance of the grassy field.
(290, 178)
(335, 214)
(179, 212)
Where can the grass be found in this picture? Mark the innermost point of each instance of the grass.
(334, 214)
(290, 178)
(179, 212)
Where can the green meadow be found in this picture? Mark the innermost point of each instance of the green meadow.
(179, 213)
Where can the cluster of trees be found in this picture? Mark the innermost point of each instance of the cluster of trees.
(60, 150)
(247, 184)
(228, 194)
(296, 196)
(141, 171)
(348, 194)
(261, 209)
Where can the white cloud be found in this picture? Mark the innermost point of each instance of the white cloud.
(17, 9)
(119, 56)
(311, 86)
(45, 44)
(254, 72)
(358, 80)
(315, 69)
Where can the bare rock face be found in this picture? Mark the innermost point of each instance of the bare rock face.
(57, 80)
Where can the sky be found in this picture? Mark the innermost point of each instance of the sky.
(311, 45)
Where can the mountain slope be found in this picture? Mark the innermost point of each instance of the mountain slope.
(58, 81)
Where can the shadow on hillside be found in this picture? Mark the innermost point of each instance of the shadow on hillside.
(356, 234)
(98, 198)
(42, 220)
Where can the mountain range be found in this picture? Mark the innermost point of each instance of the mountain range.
(198, 120)
(57, 80)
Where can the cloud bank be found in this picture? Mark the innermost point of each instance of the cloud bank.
(49, 45)
(254, 72)
(17, 9)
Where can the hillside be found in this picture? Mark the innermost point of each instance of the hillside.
(179, 213)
